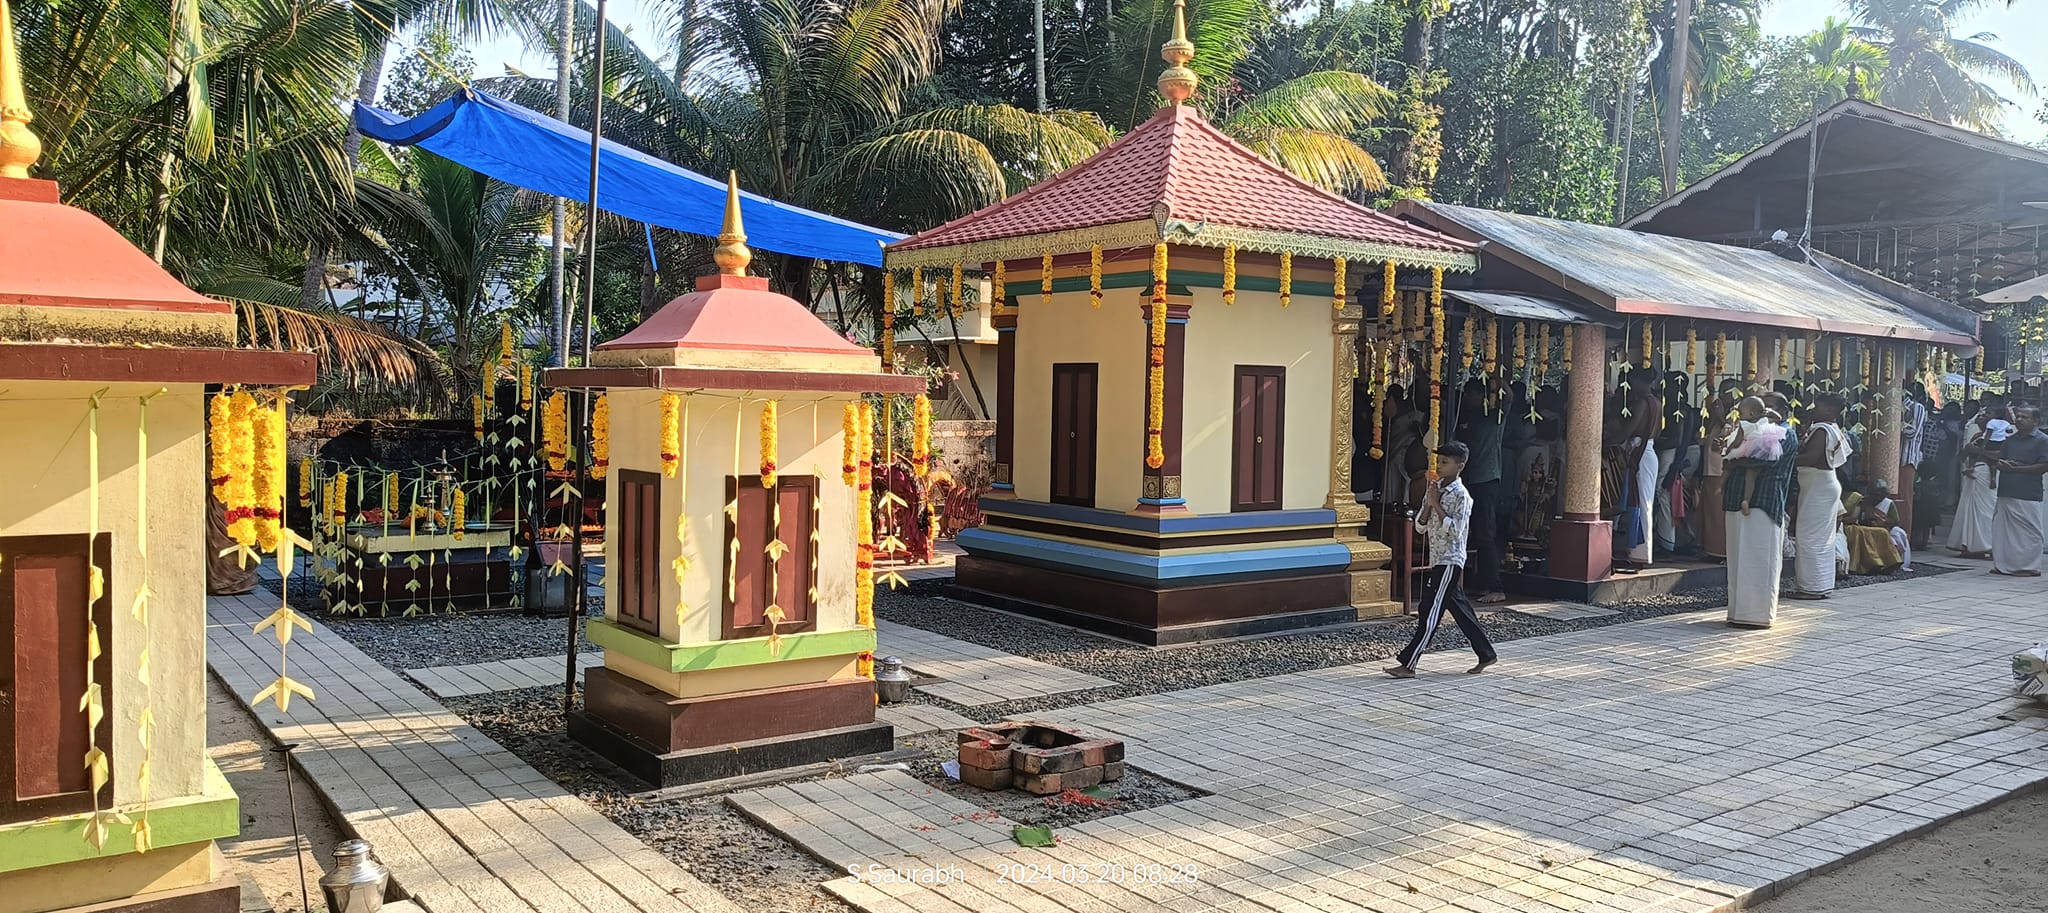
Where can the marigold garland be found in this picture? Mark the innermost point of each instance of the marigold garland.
(864, 530)
(671, 434)
(1436, 358)
(1470, 346)
(1338, 268)
(1045, 279)
(1835, 361)
(1155, 405)
(392, 490)
(241, 484)
(1692, 351)
(458, 512)
(1492, 346)
(1749, 348)
(953, 304)
(1648, 343)
(1784, 356)
(849, 444)
(267, 490)
(601, 436)
(221, 436)
(1521, 346)
(1718, 362)
(504, 344)
(525, 387)
(769, 450)
(1095, 276)
(554, 430)
(476, 415)
(1387, 286)
(1286, 277)
(921, 437)
(306, 482)
(889, 314)
(996, 285)
(1569, 336)
(1229, 274)
(917, 291)
(1542, 353)
(337, 500)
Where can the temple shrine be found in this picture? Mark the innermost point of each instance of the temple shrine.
(738, 627)
(107, 799)
(1178, 324)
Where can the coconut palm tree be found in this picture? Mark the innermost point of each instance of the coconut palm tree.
(1845, 65)
(1932, 72)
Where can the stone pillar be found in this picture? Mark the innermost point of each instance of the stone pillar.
(1006, 399)
(1370, 580)
(1582, 544)
(1159, 489)
(1883, 459)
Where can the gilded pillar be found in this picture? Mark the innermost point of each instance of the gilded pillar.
(1159, 489)
(1367, 571)
(1006, 397)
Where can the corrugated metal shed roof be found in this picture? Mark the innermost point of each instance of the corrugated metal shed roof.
(1518, 306)
(1631, 272)
(2018, 292)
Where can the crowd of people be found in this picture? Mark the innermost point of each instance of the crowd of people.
(1740, 474)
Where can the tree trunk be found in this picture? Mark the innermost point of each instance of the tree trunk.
(1405, 165)
(313, 283)
(1674, 105)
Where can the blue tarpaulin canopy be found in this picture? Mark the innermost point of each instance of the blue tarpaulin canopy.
(529, 149)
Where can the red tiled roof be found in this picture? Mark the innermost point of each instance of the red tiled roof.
(1178, 158)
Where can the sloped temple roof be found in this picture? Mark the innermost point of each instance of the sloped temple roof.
(1177, 178)
(1632, 272)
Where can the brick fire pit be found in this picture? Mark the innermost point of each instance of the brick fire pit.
(1038, 758)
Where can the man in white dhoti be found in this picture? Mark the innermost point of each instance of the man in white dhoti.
(1823, 449)
(2016, 526)
(1969, 532)
(1756, 535)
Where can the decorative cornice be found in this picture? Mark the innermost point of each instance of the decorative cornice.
(1143, 233)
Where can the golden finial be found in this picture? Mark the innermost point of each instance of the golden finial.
(731, 254)
(19, 147)
(1177, 82)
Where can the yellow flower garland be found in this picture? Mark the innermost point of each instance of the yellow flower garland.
(1338, 268)
(864, 533)
(458, 512)
(1718, 362)
(1045, 279)
(1155, 405)
(1229, 274)
(769, 412)
(337, 500)
(1542, 353)
(1784, 356)
(1387, 287)
(504, 344)
(954, 302)
(267, 490)
(1492, 346)
(1095, 277)
(1692, 351)
(1648, 343)
(1471, 347)
(242, 485)
(601, 436)
(1521, 346)
(1569, 336)
(525, 387)
(996, 283)
(1436, 358)
(671, 434)
(921, 437)
(889, 314)
(1835, 361)
(476, 415)
(849, 444)
(554, 430)
(392, 489)
(1749, 348)
(917, 291)
(1286, 278)
(306, 482)
(221, 437)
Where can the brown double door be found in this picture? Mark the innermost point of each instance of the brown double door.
(1255, 453)
(1073, 434)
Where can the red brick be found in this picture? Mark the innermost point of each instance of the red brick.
(1041, 784)
(1081, 779)
(987, 755)
(1045, 760)
(985, 779)
(1113, 770)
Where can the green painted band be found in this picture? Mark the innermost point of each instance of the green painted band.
(725, 654)
(215, 814)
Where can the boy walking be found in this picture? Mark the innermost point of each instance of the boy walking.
(1445, 520)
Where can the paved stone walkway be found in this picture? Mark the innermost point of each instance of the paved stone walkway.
(465, 826)
(973, 674)
(1671, 765)
(918, 719)
(502, 675)
(1560, 611)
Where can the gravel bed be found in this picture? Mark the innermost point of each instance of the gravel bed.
(1142, 670)
(1137, 790)
(444, 639)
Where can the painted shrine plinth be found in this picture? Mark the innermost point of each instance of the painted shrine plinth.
(107, 799)
(736, 632)
(1177, 346)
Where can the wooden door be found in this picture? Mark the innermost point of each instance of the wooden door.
(1257, 432)
(1073, 434)
(43, 619)
(755, 525)
(638, 550)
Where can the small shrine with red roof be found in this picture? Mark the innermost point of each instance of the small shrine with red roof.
(107, 799)
(738, 628)
(1177, 321)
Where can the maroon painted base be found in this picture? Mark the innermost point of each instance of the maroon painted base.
(1581, 550)
(668, 723)
(222, 895)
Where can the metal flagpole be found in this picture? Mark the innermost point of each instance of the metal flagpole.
(558, 263)
(581, 435)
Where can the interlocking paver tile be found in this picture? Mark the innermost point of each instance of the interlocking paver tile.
(974, 675)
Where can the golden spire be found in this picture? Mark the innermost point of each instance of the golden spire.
(731, 254)
(19, 147)
(1177, 82)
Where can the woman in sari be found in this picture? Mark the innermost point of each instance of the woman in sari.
(1875, 533)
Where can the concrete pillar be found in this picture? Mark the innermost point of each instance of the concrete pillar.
(1582, 544)
(1006, 397)
(1159, 489)
(1883, 460)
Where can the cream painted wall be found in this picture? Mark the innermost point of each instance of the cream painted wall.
(808, 443)
(1071, 331)
(44, 465)
(1256, 331)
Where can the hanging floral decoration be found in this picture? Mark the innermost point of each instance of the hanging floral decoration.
(1648, 343)
(1719, 361)
(1470, 346)
(769, 451)
(681, 564)
(1338, 281)
(554, 430)
(1835, 361)
(997, 291)
(505, 347)
(671, 434)
(849, 444)
(1521, 346)
(1379, 398)
(145, 728)
(392, 490)
(1095, 276)
(953, 301)
(889, 316)
(1436, 359)
(864, 532)
(1784, 356)
(525, 387)
(1286, 278)
(1542, 355)
(476, 415)
(267, 503)
(917, 291)
(921, 438)
(601, 436)
(337, 501)
(1749, 354)
(93, 703)
(1569, 336)
(1492, 346)
(241, 514)
(306, 482)
(220, 430)
(1692, 351)
(1045, 279)
(458, 512)
(1229, 274)
(1155, 403)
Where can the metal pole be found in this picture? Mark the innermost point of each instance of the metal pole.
(291, 801)
(1038, 48)
(558, 271)
(580, 433)
(1674, 107)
